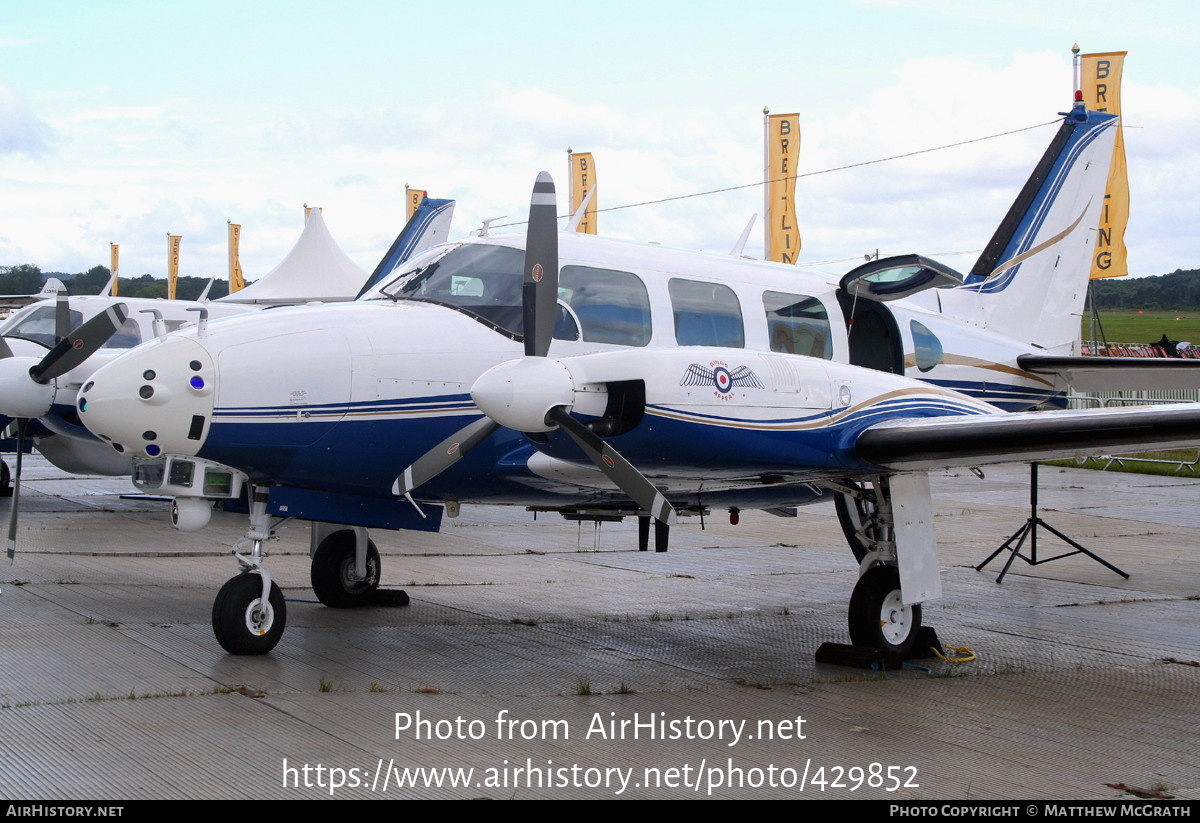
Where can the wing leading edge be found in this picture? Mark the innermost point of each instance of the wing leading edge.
(950, 442)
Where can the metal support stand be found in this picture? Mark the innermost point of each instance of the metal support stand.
(1029, 530)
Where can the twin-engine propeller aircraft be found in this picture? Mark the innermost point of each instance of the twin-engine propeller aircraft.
(599, 379)
(40, 375)
(49, 348)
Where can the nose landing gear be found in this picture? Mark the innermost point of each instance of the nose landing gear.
(249, 613)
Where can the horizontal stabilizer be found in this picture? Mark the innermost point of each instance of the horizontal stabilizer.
(1116, 373)
(976, 440)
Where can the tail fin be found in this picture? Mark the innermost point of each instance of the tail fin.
(1031, 280)
(429, 226)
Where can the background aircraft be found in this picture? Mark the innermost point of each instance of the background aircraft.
(628, 380)
(39, 377)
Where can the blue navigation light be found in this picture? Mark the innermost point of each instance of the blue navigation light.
(153, 450)
(197, 382)
(83, 404)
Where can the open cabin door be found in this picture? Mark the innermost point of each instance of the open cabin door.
(874, 337)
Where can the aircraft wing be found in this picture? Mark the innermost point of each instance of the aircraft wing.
(1114, 373)
(1023, 437)
(16, 301)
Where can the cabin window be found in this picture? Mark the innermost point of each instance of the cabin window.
(612, 306)
(797, 324)
(926, 345)
(126, 337)
(706, 314)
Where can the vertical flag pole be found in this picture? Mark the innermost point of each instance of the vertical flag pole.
(114, 256)
(766, 183)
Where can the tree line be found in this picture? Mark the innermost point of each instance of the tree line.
(1178, 290)
(29, 279)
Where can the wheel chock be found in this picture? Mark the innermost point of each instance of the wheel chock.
(390, 597)
(864, 657)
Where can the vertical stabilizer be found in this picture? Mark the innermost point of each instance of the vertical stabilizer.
(1031, 280)
(429, 226)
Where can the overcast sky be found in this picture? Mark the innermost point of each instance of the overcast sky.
(126, 121)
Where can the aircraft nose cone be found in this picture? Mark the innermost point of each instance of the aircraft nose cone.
(157, 399)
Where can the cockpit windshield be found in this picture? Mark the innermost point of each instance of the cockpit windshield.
(480, 280)
(39, 324)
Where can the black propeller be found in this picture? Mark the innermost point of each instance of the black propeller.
(536, 376)
(80, 344)
(16, 492)
(72, 349)
(62, 317)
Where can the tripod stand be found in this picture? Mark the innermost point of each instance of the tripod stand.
(1028, 531)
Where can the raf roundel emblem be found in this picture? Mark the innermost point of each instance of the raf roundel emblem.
(608, 461)
(78, 344)
(722, 379)
(453, 448)
(537, 272)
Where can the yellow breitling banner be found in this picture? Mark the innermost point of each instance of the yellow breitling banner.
(583, 178)
(413, 198)
(783, 151)
(113, 258)
(172, 263)
(1101, 86)
(237, 281)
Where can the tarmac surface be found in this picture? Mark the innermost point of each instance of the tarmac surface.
(544, 659)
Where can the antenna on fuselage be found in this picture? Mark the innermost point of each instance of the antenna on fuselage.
(736, 251)
(482, 231)
(577, 217)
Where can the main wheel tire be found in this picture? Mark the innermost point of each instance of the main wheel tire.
(5, 480)
(852, 513)
(878, 617)
(333, 572)
(242, 623)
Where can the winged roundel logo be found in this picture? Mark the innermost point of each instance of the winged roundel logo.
(721, 377)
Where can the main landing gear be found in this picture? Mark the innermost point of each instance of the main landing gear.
(878, 616)
(338, 578)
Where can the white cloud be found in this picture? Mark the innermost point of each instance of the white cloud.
(21, 131)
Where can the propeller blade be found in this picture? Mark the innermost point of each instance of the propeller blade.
(619, 470)
(16, 489)
(444, 455)
(80, 344)
(62, 317)
(5, 350)
(539, 294)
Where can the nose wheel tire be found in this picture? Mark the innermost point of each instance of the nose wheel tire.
(333, 578)
(242, 622)
(878, 617)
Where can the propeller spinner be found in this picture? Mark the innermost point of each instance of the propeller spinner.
(535, 393)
